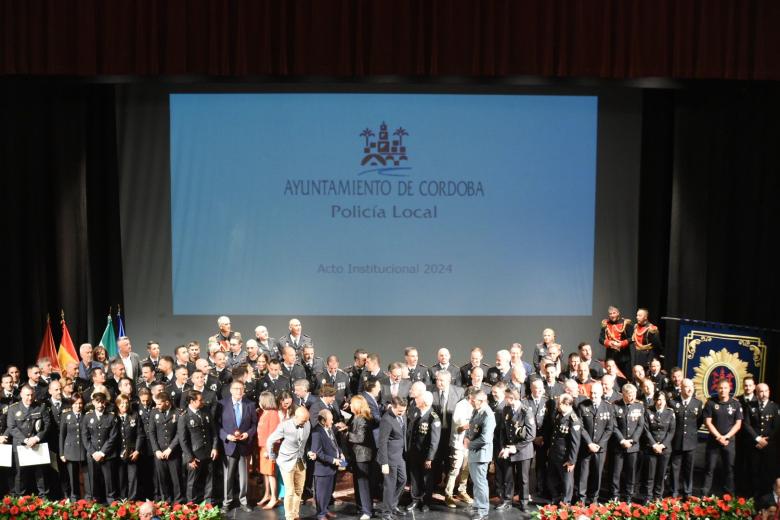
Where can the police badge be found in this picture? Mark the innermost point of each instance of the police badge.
(192, 422)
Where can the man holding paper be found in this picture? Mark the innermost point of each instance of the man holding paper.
(28, 424)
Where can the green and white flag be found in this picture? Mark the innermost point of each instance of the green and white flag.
(108, 341)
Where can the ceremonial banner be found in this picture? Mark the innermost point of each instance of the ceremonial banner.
(710, 352)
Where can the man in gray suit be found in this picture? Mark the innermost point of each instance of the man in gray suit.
(479, 442)
(294, 434)
(129, 359)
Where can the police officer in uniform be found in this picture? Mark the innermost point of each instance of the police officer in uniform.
(132, 438)
(150, 488)
(100, 435)
(163, 435)
(423, 435)
(743, 471)
(198, 439)
(597, 424)
(475, 361)
(417, 371)
(179, 386)
(515, 432)
(688, 417)
(274, 381)
(72, 453)
(627, 432)
(338, 379)
(565, 435)
(763, 427)
(660, 425)
(28, 425)
(723, 419)
(356, 370)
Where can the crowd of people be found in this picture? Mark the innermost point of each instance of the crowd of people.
(561, 429)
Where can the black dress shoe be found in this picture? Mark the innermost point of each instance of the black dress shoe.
(399, 512)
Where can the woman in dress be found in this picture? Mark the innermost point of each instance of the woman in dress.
(269, 420)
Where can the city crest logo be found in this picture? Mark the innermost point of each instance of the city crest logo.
(386, 154)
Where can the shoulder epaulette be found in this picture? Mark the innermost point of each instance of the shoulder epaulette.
(421, 365)
(626, 321)
(603, 323)
(653, 328)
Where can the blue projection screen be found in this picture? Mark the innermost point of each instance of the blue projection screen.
(383, 204)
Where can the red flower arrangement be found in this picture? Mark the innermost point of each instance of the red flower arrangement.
(715, 508)
(33, 507)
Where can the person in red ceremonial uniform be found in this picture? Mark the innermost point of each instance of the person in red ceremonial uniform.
(615, 336)
(645, 340)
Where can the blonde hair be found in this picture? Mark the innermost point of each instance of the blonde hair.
(361, 407)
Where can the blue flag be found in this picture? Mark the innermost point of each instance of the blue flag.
(120, 323)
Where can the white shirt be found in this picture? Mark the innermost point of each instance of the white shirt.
(460, 416)
(128, 366)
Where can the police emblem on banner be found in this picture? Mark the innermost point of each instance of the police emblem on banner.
(713, 352)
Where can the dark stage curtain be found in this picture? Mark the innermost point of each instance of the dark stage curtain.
(708, 211)
(723, 39)
(58, 158)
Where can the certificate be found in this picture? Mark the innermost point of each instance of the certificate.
(33, 456)
(6, 455)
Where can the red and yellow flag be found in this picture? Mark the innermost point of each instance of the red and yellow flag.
(48, 350)
(67, 352)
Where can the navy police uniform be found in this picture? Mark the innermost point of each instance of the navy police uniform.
(23, 423)
(724, 415)
(659, 429)
(197, 436)
(597, 426)
(564, 447)
(100, 433)
(163, 434)
(688, 418)
(629, 425)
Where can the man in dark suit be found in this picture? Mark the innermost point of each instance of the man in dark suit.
(179, 386)
(237, 419)
(396, 385)
(198, 439)
(391, 449)
(540, 407)
(325, 401)
(57, 406)
(328, 459)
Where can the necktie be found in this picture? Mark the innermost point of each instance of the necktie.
(237, 408)
(443, 401)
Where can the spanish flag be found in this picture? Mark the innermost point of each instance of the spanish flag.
(48, 349)
(67, 352)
